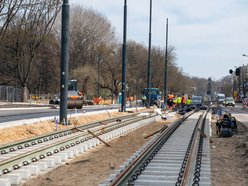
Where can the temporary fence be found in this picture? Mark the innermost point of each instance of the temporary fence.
(10, 93)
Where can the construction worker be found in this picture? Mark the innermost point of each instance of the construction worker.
(183, 101)
(189, 101)
(170, 100)
(143, 100)
(179, 101)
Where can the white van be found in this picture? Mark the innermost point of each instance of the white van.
(221, 98)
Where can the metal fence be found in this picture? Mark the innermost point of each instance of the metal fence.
(9, 93)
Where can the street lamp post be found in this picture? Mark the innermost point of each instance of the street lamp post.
(149, 59)
(98, 75)
(166, 64)
(112, 92)
(124, 55)
(64, 62)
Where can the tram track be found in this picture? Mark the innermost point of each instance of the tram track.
(4, 149)
(177, 156)
(17, 156)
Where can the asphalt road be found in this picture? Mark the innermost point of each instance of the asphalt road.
(14, 114)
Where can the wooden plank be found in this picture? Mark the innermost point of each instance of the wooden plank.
(160, 130)
(107, 144)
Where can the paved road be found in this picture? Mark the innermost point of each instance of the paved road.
(14, 114)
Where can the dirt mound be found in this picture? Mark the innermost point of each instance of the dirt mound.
(229, 158)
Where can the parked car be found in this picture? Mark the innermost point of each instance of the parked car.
(229, 101)
(55, 100)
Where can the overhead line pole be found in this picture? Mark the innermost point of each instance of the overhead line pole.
(64, 62)
(124, 55)
(149, 59)
(166, 64)
(98, 75)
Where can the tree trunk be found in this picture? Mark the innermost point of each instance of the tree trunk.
(25, 93)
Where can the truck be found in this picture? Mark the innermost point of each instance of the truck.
(155, 96)
(197, 101)
(221, 98)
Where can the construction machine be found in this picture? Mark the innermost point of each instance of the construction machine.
(155, 96)
(75, 98)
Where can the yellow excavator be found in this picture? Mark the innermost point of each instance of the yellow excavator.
(75, 98)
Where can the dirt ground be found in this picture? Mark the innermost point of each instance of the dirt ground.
(229, 158)
(228, 155)
(13, 134)
(94, 166)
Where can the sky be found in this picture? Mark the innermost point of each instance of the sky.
(209, 36)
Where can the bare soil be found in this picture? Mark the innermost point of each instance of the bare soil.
(229, 162)
(229, 158)
(13, 134)
(94, 166)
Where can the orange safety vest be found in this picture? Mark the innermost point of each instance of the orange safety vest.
(183, 99)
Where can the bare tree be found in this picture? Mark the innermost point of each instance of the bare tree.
(8, 10)
(30, 26)
(89, 30)
(136, 62)
(111, 70)
(46, 68)
(90, 36)
(84, 75)
(30, 52)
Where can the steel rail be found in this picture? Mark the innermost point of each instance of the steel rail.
(198, 159)
(18, 161)
(184, 174)
(138, 164)
(193, 153)
(11, 147)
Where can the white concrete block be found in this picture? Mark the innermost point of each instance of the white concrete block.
(90, 144)
(80, 149)
(25, 174)
(50, 162)
(93, 143)
(74, 151)
(69, 153)
(97, 142)
(13, 178)
(85, 146)
(57, 159)
(33, 169)
(63, 156)
(41, 165)
(5, 182)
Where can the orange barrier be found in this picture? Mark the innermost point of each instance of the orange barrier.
(96, 100)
